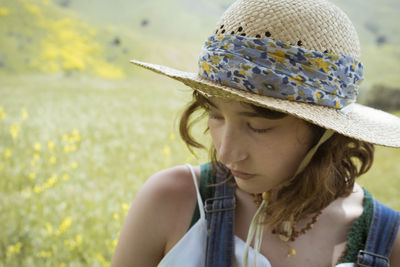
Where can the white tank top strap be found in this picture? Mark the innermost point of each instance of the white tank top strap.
(199, 200)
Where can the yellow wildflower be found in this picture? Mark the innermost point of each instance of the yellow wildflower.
(116, 216)
(167, 150)
(32, 176)
(4, 12)
(65, 177)
(49, 227)
(67, 149)
(14, 130)
(33, 9)
(74, 165)
(125, 207)
(7, 153)
(3, 114)
(106, 70)
(14, 249)
(75, 132)
(102, 260)
(78, 239)
(52, 160)
(37, 146)
(75, 136)
(65, 137)
(44, 254)
(37, 189)
(50, 182)
(36, 156)
(24, 114)
(64, 226)
(50, 145)
(114, 243)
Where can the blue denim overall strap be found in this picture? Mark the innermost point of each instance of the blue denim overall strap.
(220, 212)
(381, 237)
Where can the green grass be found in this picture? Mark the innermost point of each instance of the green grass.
(126, 132)
(174, 35)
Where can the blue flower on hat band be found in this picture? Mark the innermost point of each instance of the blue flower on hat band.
(267, 67)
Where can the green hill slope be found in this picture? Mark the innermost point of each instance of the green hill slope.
(98, 37)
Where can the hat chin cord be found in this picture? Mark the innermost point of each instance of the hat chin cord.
(256, 229)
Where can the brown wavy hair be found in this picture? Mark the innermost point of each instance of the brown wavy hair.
(330, 174)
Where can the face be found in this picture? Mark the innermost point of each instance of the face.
(261, 152)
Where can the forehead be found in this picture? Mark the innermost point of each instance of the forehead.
(244, 109)
(222, 103)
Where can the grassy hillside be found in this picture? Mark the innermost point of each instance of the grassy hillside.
(98, 37)
(193, 20)
(39, 36)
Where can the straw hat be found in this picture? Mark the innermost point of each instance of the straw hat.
(312, 25)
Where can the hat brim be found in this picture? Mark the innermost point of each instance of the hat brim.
(361, 123)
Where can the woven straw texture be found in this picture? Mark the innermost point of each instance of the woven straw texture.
(312, 24)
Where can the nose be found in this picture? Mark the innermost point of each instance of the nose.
(231, 147)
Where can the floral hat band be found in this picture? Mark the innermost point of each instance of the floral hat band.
(270, 68)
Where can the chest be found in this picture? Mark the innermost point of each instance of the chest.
(323, 245)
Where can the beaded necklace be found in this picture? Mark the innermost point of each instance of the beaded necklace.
(287, 230)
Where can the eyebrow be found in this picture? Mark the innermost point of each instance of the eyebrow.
(250, 114)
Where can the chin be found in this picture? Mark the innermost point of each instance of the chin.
(252, 187)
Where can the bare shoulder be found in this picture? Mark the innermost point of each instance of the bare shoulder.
(172, 183)
(158, 217)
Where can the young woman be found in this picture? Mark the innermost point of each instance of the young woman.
(278, 82)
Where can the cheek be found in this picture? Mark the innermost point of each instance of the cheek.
(295, 150)
(215, 137)
(282, 157)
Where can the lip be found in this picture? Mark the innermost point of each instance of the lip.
(242, 175)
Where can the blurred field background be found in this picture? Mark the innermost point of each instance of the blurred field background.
(81, 129)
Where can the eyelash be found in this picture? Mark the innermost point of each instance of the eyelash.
(260, 131)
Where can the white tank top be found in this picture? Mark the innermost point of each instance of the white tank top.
(190, 251)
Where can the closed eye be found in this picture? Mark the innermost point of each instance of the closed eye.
(257, 130)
